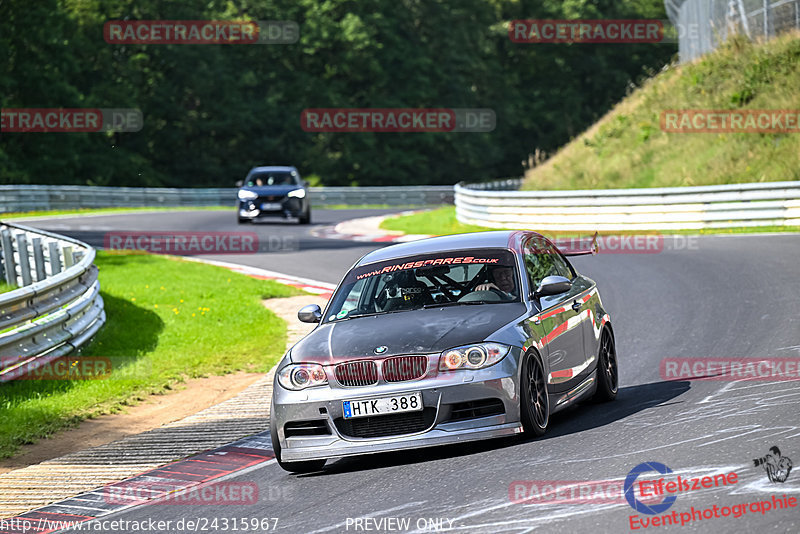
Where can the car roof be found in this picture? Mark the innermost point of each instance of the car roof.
(273, 168)
(511, 239)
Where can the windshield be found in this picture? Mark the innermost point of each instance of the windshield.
(258, 179)
(455, 278)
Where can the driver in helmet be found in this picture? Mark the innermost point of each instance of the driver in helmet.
(502, 281)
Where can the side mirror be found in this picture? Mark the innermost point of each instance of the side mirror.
(239, 183)
(310, 314)
(552, 285)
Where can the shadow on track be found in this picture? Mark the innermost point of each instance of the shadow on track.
(585, 416)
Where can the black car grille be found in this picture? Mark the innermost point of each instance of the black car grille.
(404, 368)
(475, 409)
(363, 373)
(306, 428)
(387, 425)
(271, 198)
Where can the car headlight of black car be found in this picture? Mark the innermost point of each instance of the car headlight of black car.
(247, 195)
(475, 356)
(301, 376)
(297, 193)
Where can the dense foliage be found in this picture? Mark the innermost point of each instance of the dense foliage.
(213, 111)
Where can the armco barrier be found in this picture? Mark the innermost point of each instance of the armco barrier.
(500, 205)
(57, 306)
(24, 198)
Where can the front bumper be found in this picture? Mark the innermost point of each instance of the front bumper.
(289, 207)
(443, 396)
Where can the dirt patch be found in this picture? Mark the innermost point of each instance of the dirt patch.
(157, 410)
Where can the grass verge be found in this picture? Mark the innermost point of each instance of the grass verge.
(104, 211)
(168, 320)
(442, 221)
(5, 287)
(627, 147)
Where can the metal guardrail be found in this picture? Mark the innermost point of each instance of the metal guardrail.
(704, 24)
(24, 198)
(50, 317)
(670, 208)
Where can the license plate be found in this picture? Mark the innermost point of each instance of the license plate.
(411, 402)
(270, 206)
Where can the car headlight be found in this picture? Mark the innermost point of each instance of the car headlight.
(298, 193)
(475, 356)
(247, 195)
(301, 376)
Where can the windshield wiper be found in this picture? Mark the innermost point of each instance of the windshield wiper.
(368, 314)
(445, 304)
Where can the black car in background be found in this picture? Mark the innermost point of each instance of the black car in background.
(273, 192)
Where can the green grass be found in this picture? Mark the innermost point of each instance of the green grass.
(442, 221)
(173, 320)
(102, 211)
(5, 287)
(627, 147)
(111, 211)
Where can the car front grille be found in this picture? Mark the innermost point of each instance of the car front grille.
(404, 368)
(387, 425)
(363, 373)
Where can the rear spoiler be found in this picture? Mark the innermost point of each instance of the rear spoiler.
(572, 250)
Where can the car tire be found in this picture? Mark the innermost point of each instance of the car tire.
(309, 466)
(244, 221)
(607, 372)
(305, 218)
(534, 401)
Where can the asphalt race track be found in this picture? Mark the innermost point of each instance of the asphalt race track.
(726, 296)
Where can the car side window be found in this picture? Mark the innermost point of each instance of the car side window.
(542, 260)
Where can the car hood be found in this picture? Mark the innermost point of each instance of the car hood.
(409, 332)
(273, 189)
